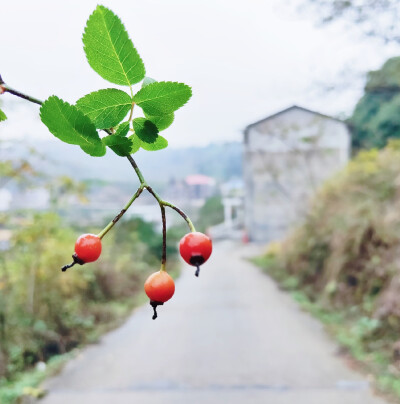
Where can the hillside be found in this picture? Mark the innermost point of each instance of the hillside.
(221, 161)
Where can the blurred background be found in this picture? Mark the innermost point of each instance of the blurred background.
(289, 151)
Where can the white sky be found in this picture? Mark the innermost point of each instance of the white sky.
(243, 59)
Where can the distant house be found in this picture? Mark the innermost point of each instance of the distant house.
(200, 187)
(286, 157)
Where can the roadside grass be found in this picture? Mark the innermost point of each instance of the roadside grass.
(26, 386)
(347, 326)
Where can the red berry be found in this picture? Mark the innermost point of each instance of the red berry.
(88, 247)
(159, 287)
(195, 249)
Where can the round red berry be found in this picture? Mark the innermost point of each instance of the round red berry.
(159, 287)
(195, 248)
(88, 247)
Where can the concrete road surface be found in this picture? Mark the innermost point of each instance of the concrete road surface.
(229, 336)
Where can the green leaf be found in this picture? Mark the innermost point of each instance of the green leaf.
(105, 108)
(109, 50)
(70, 125)
(122, 129)
(161, 98)
(136, 143)
(118, 144)
(145, 130)
(147, 81)
(95, 150)
(160, 143)
(3, 116)
(162, 122)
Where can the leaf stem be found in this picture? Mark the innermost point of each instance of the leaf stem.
(4, 88)
(133, 104)
(131, 114)
(120, 214)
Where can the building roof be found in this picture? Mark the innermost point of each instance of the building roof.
(287, 110)
(199, 179)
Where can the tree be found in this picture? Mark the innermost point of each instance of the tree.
(377, 18)
(376, 117)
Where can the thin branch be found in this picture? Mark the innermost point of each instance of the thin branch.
(120, 214)
(137, 170)
(6, 89)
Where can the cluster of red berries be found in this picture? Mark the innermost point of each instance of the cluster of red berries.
(195, 248)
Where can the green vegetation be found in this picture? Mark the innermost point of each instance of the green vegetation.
(376, 118)
(211, 213)
(342, 263)
(44, 312)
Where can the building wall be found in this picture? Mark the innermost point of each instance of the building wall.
(286, 158)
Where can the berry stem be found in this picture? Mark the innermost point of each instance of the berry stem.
(164, 238)
(120, 214)
(182, 213)
(6, 89)
(157, 197)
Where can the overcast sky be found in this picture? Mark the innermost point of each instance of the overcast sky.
(243, 59)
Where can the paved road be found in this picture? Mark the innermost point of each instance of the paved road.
(228, 337)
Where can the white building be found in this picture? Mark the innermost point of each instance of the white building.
(286, 156)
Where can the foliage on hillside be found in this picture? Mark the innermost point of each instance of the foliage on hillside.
(376, 117)
(211, 213)
(43, 311)
(345, 257)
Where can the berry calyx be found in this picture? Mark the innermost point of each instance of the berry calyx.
(195, 248)
(159, 287)
(87, 249)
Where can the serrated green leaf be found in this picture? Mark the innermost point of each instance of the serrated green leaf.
(95, 150)
(118, 144)
(160, 143)
(122, 129)
(70, 125)
(109, 50)
(161, 98)
(162, 122)
(147, 81)
(145, 130)
(105, 108)
(3, 116)
(136, 143)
